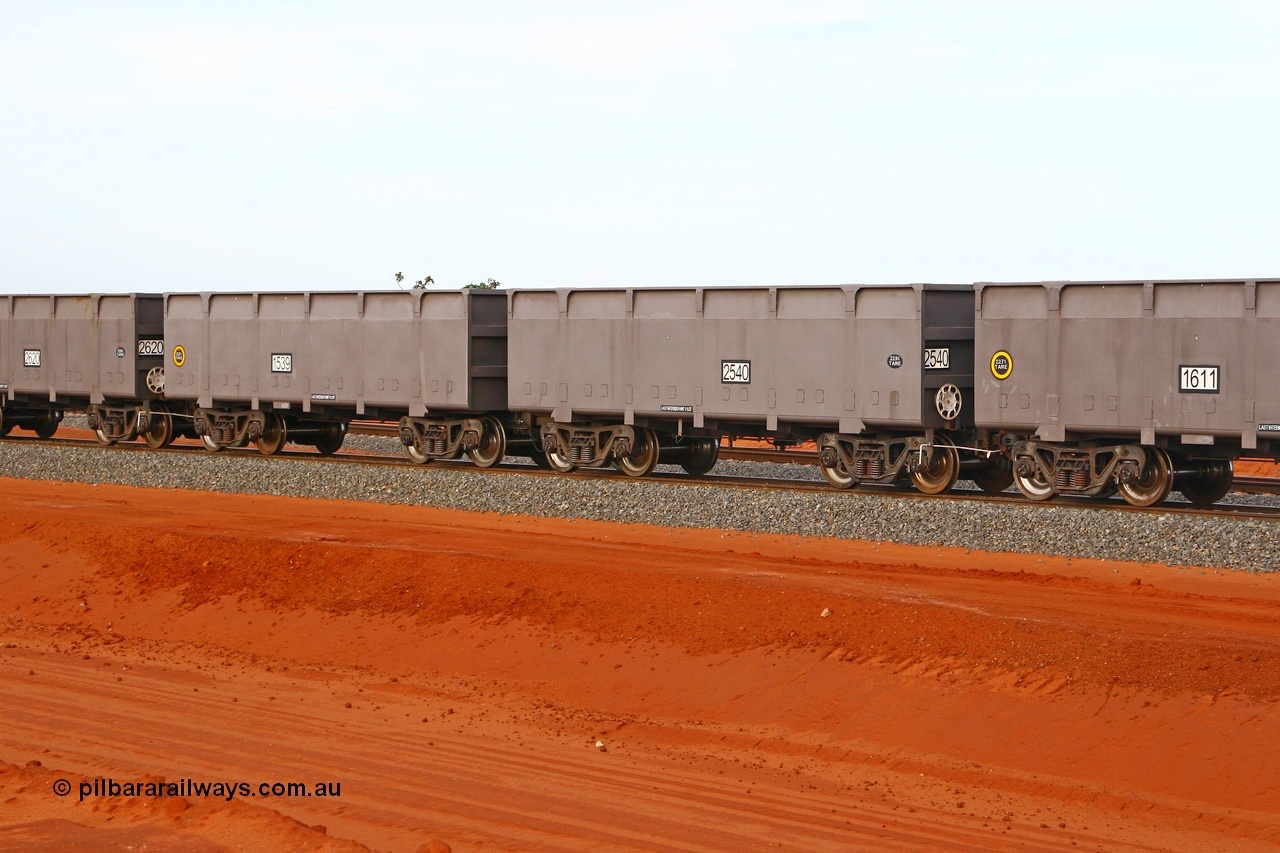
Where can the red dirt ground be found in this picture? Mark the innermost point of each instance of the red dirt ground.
(1257, 468)
(454, 673)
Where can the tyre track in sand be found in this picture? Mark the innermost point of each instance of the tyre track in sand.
(570, 798)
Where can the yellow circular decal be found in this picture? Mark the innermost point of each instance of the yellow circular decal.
(1001, 365)
(179, 356)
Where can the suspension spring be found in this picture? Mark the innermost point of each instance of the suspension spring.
(1073, 479)
(869, 469)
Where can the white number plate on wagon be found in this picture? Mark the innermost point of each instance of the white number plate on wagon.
(151, 347)
(938, 358)
(1198, 378)
(738, 372)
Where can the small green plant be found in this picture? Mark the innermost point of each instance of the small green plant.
(417, 285)
(489, 284)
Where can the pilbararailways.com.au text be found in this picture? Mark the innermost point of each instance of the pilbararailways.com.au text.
(101, 787)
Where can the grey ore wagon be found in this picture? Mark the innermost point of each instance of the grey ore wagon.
(880, 376)
(1141, 386)
(277, 367)
(98, 353)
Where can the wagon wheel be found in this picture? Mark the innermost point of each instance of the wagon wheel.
(211, 445)
(46, 425)
(1210, 484)
(1033, 486)
(838, 474)
(558, 462)
(103, 439)
(493, 444)
(273, 437)
(703, 455)
(643, 457)
(943, 470)
(1155, 483)
(995, 476)
(330, 437)
(416, 456)
(160, 431)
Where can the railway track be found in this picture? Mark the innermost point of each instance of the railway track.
(1244, 484)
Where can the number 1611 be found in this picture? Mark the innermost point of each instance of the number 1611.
(1198, 378)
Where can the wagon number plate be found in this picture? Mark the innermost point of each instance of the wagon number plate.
(1198, 378)
(937, 359)
(736, 371)
(281, 362)
(152, 347)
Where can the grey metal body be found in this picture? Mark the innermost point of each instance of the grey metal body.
(764, 360)
(345, 353)
(1185, 364)
(74, 350)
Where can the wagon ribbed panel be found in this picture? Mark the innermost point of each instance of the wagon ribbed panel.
(1131, 358)
(806, 355)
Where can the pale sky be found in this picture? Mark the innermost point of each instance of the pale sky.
(174, 146)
